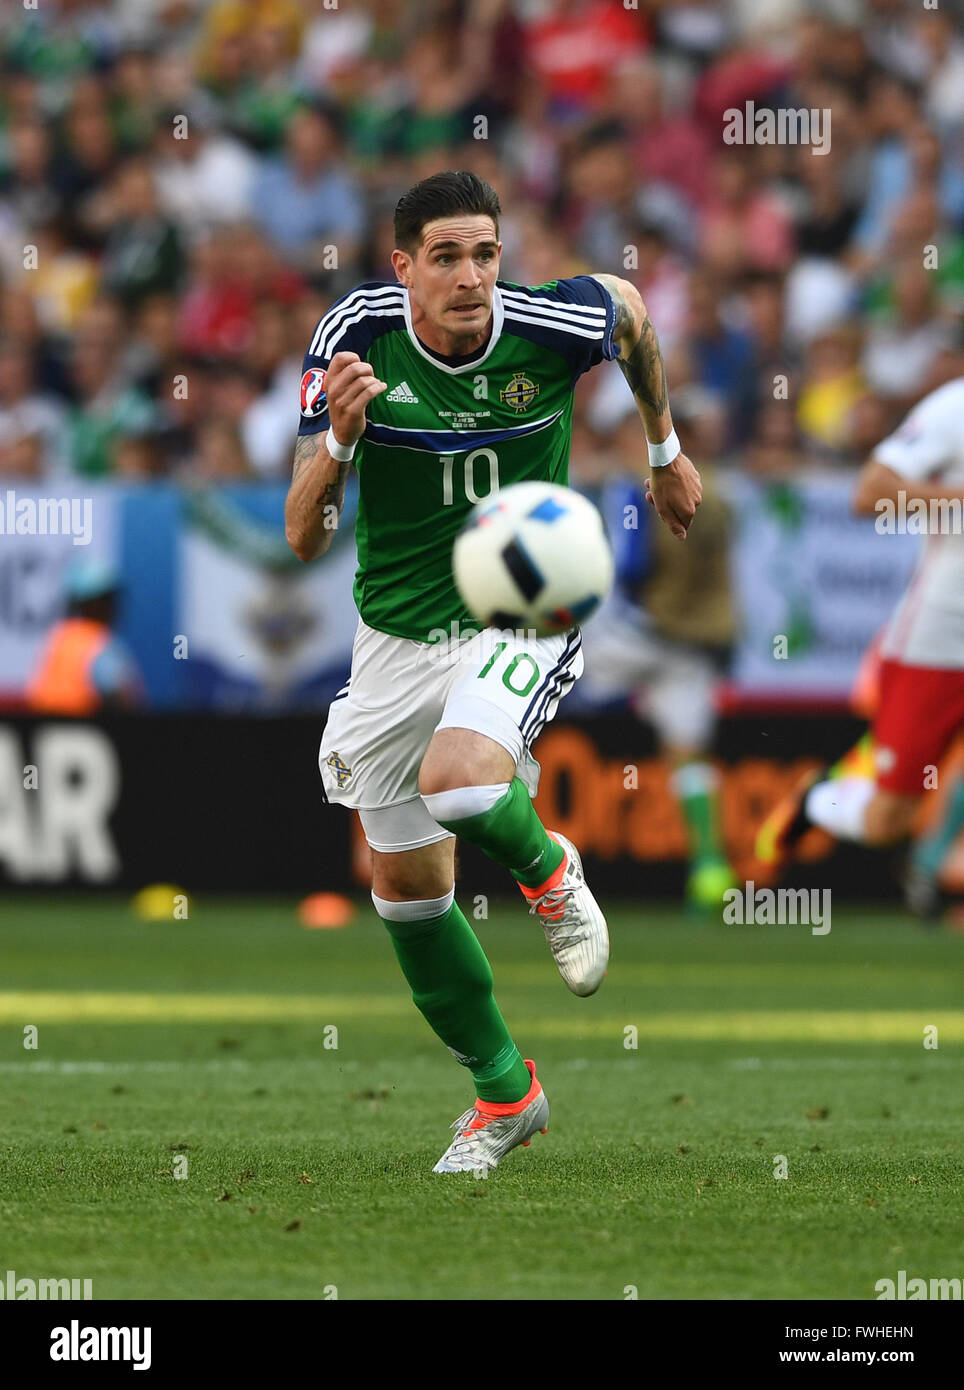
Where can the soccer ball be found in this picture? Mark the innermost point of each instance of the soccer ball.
(533, 556)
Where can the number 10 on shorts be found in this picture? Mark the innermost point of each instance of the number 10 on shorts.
(519, 681)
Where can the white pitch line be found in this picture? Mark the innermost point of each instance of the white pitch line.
(238, 1065)
(837, 1063)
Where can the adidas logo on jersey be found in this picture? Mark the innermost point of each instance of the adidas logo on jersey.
(403, 394)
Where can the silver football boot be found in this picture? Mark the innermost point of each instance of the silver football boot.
(574, 925)
(487, 1132)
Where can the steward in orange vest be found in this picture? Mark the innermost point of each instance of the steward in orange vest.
(85, 666)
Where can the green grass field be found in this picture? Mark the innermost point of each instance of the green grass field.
(310, 1166)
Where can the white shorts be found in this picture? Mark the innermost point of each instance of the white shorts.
(399, 692)
(671, 683)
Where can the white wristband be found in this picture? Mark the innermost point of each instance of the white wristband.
(661, 454)
(343, 453)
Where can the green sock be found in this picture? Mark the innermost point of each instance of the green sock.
(929, 851)
(699, 803)
(451, 982)
(514, 836)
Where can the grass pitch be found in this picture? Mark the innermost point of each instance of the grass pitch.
(308, 1167)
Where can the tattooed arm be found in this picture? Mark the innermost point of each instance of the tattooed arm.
(315, 498)
(674, 489)
(317, 493)
(640, 359)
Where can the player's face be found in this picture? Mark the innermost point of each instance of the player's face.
(452, 276)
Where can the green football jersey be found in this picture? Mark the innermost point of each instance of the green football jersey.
(450, 430)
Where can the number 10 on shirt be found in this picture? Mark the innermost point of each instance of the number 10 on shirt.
(470, 476)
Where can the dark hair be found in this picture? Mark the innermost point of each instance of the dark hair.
(442, 195)
(322, 110)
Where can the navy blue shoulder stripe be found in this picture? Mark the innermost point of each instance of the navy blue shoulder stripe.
(450, 441)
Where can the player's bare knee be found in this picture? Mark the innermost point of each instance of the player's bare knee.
(461, 758)
(414, 875)
(436, 775)
(445, 765)
(407, 885)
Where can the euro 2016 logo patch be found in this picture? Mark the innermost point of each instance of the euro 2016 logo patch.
(519, 393)
(313, 398)
(340, 768)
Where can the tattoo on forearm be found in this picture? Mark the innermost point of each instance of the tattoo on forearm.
(644, 369)
(641, 361)
(333, 493)
(305, 450)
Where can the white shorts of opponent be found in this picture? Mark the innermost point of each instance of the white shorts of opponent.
(400, 692)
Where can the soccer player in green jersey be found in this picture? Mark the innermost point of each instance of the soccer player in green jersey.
(440, 389)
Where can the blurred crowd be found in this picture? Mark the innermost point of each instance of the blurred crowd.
(186, 185)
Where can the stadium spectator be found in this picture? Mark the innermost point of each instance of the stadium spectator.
(601, 212)
(437, 109)
(220, 454)
(829, 212)
(744, 226)
(775, 448)
(133, 98)
(900, 162)
(306, 201)
(106, 408)
(492, 55)
(29, 195)
(217, 310)
(893, 41)
(90, 151)
(900, 351)
(660, 276)
(670, 148)
(574, 44)
(833, 383)
(775, 359)
(205, 179)
(717, 355)
(941, 42)
(142, 250)
(918, 227)
(20, 321)
(247, 66)
(153, 357)
(32, 424)
(333, 41)
(62, 275)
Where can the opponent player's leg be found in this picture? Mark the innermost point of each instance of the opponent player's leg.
(921, 877)
(478, 778)
(452, 987)
(920, 711)
(786, 824)
(781, 831)
(848, 805)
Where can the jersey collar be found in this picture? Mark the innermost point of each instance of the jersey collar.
(498, 316)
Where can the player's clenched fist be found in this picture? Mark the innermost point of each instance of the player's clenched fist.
(350, 384)
(675, 491)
